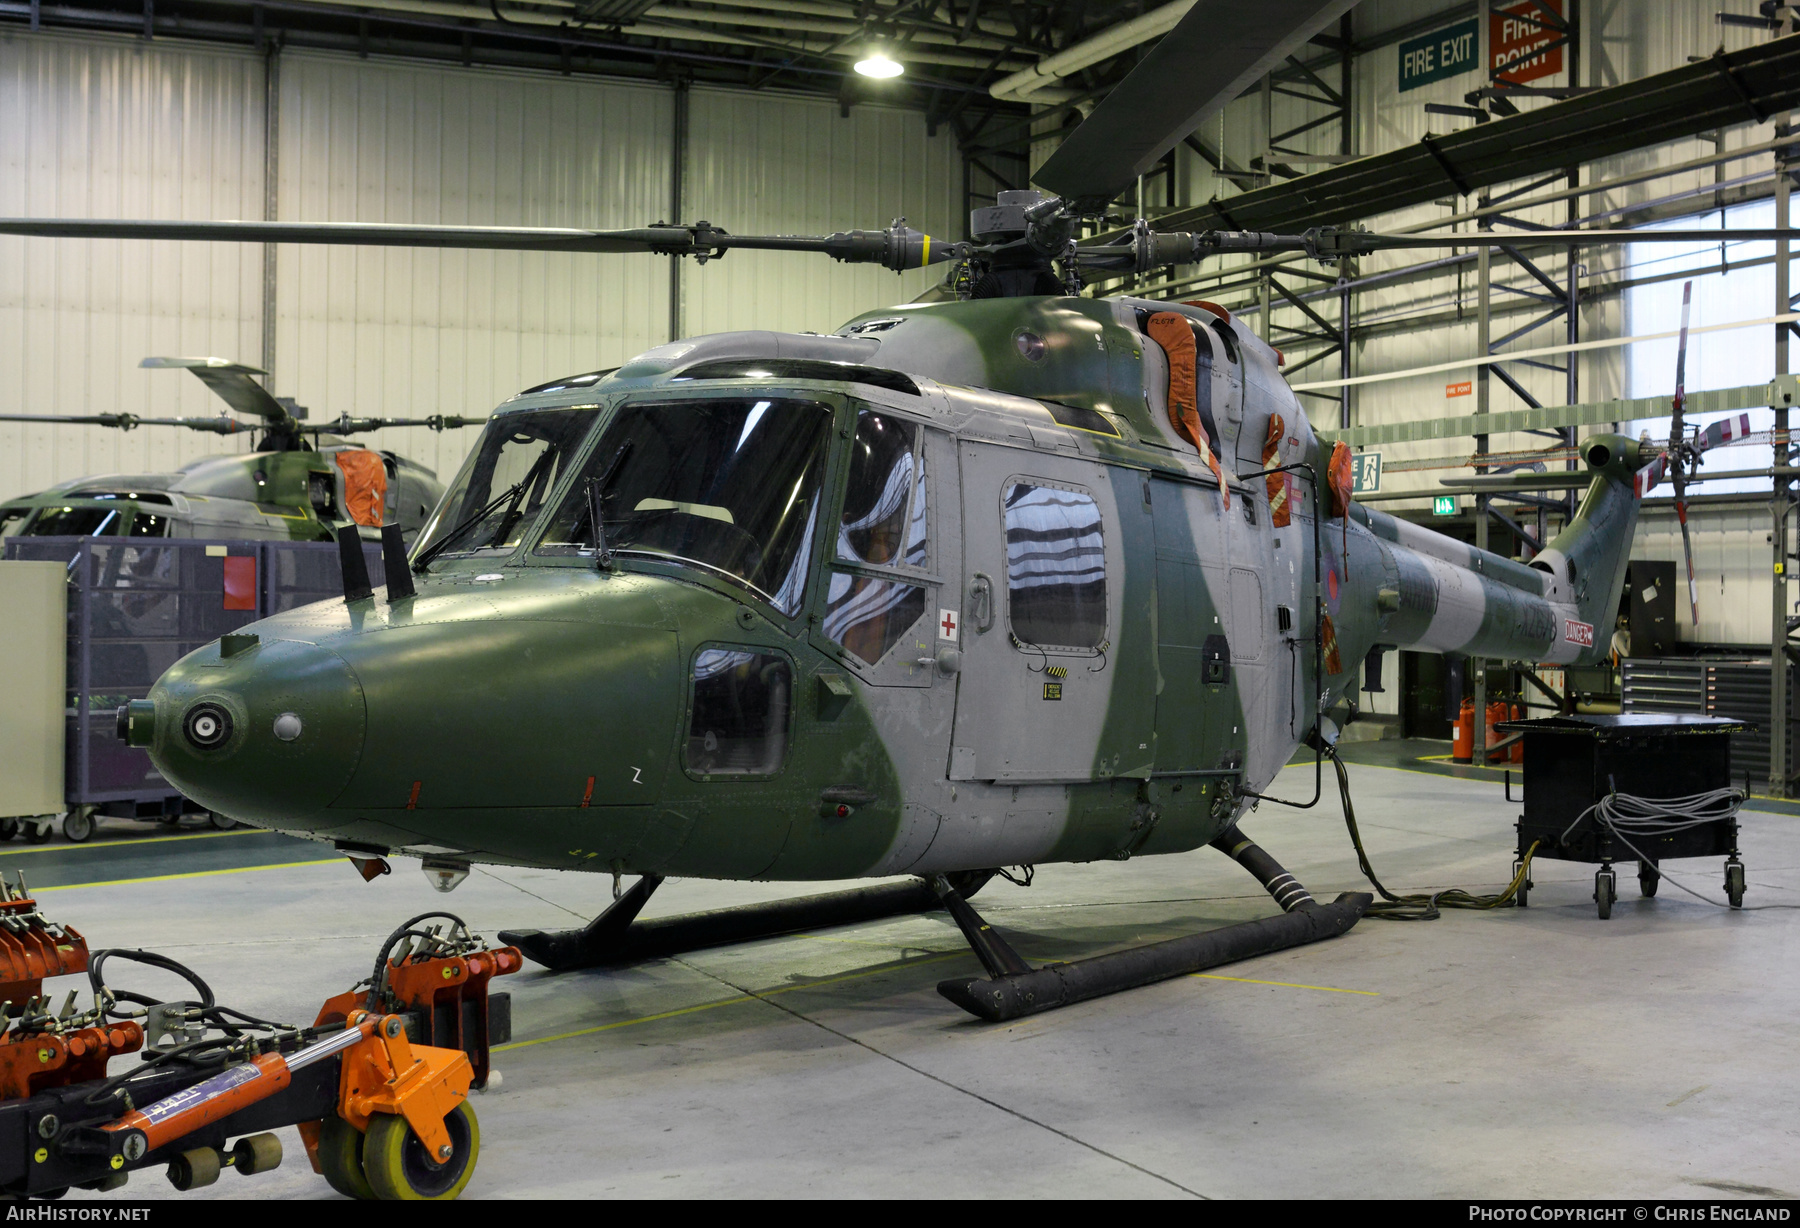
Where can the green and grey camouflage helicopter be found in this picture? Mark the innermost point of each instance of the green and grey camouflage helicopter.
(300, 482)
(1015, 577)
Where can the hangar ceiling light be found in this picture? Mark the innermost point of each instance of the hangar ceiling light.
(877, 63)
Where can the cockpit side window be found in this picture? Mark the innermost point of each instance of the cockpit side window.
(149, 524)
(884, 526)
(1055, 566)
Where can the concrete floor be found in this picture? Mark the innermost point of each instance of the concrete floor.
(1521, 1053)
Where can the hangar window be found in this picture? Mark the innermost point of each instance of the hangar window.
(1055, 566)
(738, 712)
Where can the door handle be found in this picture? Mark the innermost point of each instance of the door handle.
(981, 601)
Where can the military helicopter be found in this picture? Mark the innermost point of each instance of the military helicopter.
(1015, 577)
(298, 483)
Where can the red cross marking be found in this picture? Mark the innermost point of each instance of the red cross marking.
(949, 625)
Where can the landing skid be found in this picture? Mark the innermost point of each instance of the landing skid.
(616, 936)
(1013, 988)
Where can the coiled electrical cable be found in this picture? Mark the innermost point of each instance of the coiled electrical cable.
(1661, 816)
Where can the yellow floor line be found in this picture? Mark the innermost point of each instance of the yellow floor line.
(128, 842)
(163, 878)
(1213, 976)
(707, 1006)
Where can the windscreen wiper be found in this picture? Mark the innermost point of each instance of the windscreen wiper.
(437, 547)
(597, 492)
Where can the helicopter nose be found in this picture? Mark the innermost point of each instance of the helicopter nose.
(268, 733)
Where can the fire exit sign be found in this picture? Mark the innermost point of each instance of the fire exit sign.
(1443, 505)
(1440, 54)
(1365, 474)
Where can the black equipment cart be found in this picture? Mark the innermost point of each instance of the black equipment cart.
(1575, 763)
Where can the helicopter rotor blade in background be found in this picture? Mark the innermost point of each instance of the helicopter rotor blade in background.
(231, 383)
(1679, 453)
(1211, 56)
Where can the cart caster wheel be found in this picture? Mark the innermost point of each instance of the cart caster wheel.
(39, 833)
(1605, 892)
(192, 1169)
(8, 828)
(1648, 877)
(341, 1159)
(400, 1170)
(222, 823)
(78, 826)
(1734, 883)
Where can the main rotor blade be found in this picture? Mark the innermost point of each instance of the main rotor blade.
(898, 247)
(231, 383)
(127, 422)
(1211, 56)
(674, 240)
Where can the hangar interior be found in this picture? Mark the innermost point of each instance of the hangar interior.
(1500, 1051)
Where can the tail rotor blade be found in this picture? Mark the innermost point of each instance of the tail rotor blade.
(1677, 433)
(1687, 550)
(1723, 431)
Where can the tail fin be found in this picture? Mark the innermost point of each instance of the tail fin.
(1587, 559)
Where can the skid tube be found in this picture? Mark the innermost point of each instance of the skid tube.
(616, 936)
(1013, 988)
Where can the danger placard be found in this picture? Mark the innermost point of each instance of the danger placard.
(1578, 633)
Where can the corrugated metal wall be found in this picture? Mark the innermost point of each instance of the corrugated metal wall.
(121, 128)
(792, 166)
(410, 333)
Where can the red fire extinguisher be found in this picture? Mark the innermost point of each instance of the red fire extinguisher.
(1518, 748)
(1496, 713)
(1462, 741)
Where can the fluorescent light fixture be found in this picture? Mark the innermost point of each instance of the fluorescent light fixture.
(876, 63)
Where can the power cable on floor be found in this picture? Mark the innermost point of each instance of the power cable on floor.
(1425, 906)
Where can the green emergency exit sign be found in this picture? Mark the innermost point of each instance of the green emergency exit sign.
(1440, 54)
(1443, 505)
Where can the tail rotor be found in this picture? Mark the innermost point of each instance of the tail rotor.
(1683, 456)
